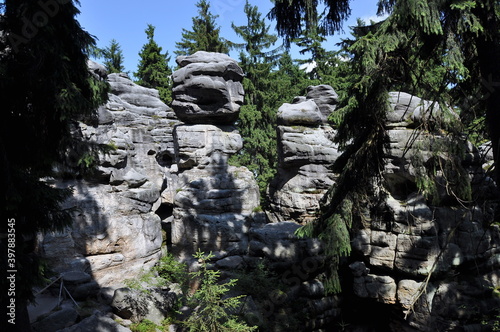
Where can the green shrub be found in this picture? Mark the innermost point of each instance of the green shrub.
(172, 271)
(144, 326)
(214, 309)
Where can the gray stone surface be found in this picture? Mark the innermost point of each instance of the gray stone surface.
(411, 238)
(116, 232)
(207, 89)
(304, 113)
(136, 306)
(305, 153)
(198, 144)
(213, 200)
(97, 323)
(325, 97)
(301, 145)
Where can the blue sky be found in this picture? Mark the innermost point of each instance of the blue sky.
(126, 20)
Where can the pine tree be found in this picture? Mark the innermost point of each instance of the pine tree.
(205, 34)
(45, 87)
(113, 57)
(153, 70)
(258, 114)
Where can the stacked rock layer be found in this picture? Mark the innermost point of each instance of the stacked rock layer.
(305, 153)
(213, 199)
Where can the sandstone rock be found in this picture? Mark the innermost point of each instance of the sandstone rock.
(116, 232)
(408, 290)
(306, 152)
(76, 277)
(137, 306)
(313, 289)
(303, 145)
(197, 144)
(305, 113)
(211, 209)
(325, 97)
(407, 108)
(85, 291)
(276, 241)
(202, 57)
(207, 89)
(57, 320)
(380, 288)
(359, 269)
(230, 263)
(135, 98)
(97, 69)
(97, 323)
(304, 157)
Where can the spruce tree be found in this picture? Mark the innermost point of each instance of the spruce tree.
(424, 47)
(310, 41)
(258, 113)
(45, 87)
(205, 34)
(153, 70)
(113, 57)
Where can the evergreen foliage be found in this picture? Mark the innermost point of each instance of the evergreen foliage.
(294, 17)
(265, 90)
(214, 312)
(205, 34)
(113, 57)
(310, 41)
(153, 70)
(424, 47)
(45, 88)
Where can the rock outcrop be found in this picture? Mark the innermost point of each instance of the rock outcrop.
(436, 262)
(116, 232)
(207, 89)
(305, 153)
(213, 199)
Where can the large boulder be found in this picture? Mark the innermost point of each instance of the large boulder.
(207, 89)
(153, 305)
(304, 113)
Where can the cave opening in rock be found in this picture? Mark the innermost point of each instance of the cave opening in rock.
(164, 159)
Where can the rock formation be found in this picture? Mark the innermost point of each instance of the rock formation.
(437, 263)
(116, 232)
(162, 172)
(305, 154)
(207, 89)
(213, 199)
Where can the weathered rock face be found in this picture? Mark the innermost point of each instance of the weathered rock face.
(116, 232)
(436, 263)
(213, 199)
(411, 240)
(325, 97)
(305, 152)
(207, 89)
